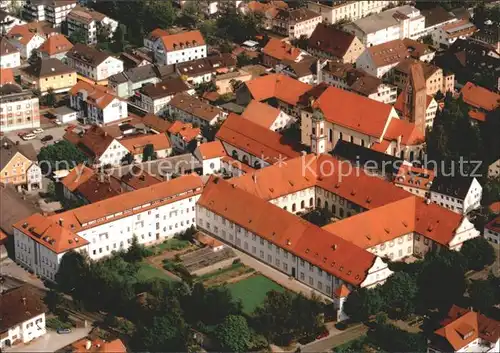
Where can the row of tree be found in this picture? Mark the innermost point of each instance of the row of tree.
(436, 282)
(166, 314)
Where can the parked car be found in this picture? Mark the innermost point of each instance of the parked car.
(63, 331)
(28, 137)
(37, 131)
(47, 138)
(322, 335)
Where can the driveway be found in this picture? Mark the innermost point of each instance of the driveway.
(51, 341)
(336, 338)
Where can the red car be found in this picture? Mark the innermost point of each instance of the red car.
(323, 335)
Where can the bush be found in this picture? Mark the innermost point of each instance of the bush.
(56, 323)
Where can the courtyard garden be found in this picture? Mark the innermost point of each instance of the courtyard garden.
(252, 291)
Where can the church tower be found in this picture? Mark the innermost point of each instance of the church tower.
(318, 137)
(415, 97)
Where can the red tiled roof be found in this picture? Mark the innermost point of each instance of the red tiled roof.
(185, 130)
(6, 77)
(277, 86)
(331, 40)
(97, 95)
(77, 176)
(48, 232)
(56, 44)
(237, 164)
(409, 133)
(182, 40)
(212, 149)
(22, 34)
(98, 346)
(414, 177)
(255, 139)
(281, 50)
(396, 219)
(342, 291)
(495, 207)
(261, 113)
(480, 97)
(136, 144)
(96, 141)
(464, 326)
(354, 111)
(332, 254)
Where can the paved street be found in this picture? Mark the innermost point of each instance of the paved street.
(335, 339)
(10, 268)
(51, 341)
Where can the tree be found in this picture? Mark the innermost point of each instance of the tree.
(148, 154)
(161, 13)
(53, 300)
(363, 303)
(205, 87)
(482, 295)
(400, 292)
(243, 60)
(165, 333)
(50, 98)
(128, 159)
(136, 252)
(103, 33)
(478, 253)
(78, 36)
(60, 155)
(119, 38)
(72, 272)
(191, 15)
(274, 317)
(442, 280)
(233, 334)
(34, 57)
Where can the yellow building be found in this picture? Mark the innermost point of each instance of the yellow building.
(49, 73)
(17, 165)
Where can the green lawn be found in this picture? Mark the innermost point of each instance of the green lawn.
(172, 244)
(147, 271)
(252, 291)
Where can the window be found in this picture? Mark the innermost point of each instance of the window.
(302, 277)
(311, 281)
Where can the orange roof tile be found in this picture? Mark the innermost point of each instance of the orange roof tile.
(48, 232)
(463, 326)
(325, 171)
(495, 207)
(477, 115)
(281, 50)
(414, 177)
(56, 44)
(182, 40)
(261, 113)
(136, 144)
(255, 139)
(3, 237)
(158, 33)
(396, 219)
(212, 149)
(123, 205)
(77, 176)
(277, 86)
(22, 34)
(409, 133)
(381, 146)
(480, 97)
(97, 95)
(185, 130)
(98, 346)
(332, 254)
(95, 141)
(6, 77)
(342, 291)
(354, 111)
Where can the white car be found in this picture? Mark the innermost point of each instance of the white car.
(28, 137)
(37, 131)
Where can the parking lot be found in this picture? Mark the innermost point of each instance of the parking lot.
(57, 132)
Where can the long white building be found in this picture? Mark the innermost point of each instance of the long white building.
(151, 214)
(347, 10)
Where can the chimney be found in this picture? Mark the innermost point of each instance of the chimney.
(61, 222)
(254, 178)
(23, 300)
(88, 345)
